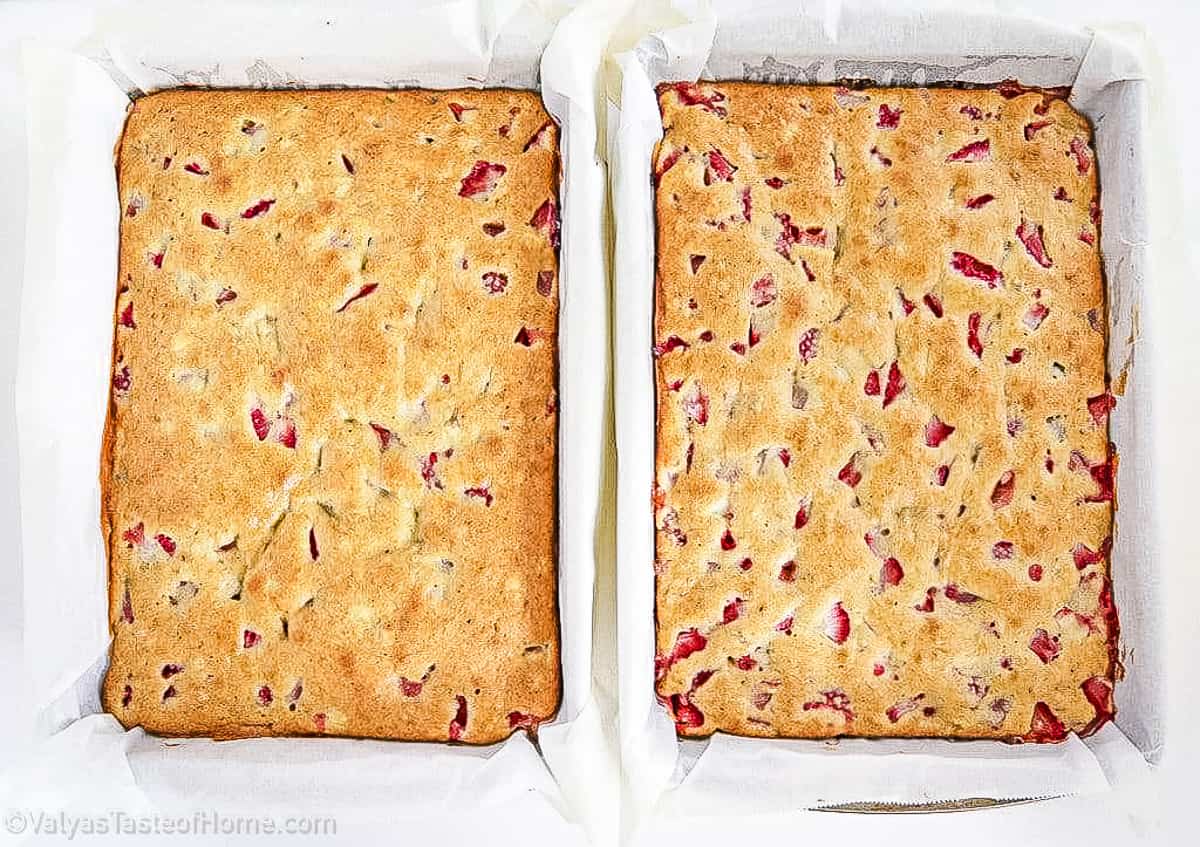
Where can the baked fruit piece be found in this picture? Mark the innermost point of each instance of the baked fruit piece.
(884, 486)
(329, 467)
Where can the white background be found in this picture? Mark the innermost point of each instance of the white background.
(1159, 811)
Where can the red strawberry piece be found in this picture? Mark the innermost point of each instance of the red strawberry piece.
(1082, 154)
(688, 642)
(481, 180)
(209, 220)
(728, 542)
(1087, 237)
(807, 347)
(839, 178)
(226, 295)
(746, 563)
(457, 110)
(313, 551)
(973, 112)
(1036, 314)
(666, 163)
(836, 700)
(384, 434)
(927, 606)
(166, 543)
(1099, 407)
(738, 347)
(976, 151)
(809, 275)
(1002, 493)
(802, 514)
(691, 94)
(1045, 725)
(156, 259)
(261, 207)
(169, 670)
(762, 291)
(1032, 129)
(695, 406)
(933, 303)
(1015, 357)
(287, 433)
(973, 341)
(785, 625)
(259, 421)
(850, 474)
(707, 335)
(774, 182)
(122, 381)
(1031, 236)
(891, 572)
(521, 720)
(903, 707)
(127, 317)
(366, 290)
(675, 385)
(878, 669)
(480, 492)
(265, 697)
(495, 282)
(980, 201)
(428, 472)
(1085, 556)
(1014, 426)
(871, 385)
(785, 456)
(1035, 572)
(169, 693)
(127, 607)
(719, 168)
(1002, 550)
(673, 343)
(696, 261)
(319, 721)
(787, 572)
(1085, 621)
(493, 229)
(941, 474)
(127, 696)
(545, 221)
(195, 168)
(895, 385)
(1101, 473)
(541, 138)
(458, 724)
(957, 595)
(250, 639)
(972, 268)
(411, 687)
(135, 536)
(1061, 194)
(294, 694)
(1094, 211)
(1099, 692)
(880, 158)
(1044, 646)
(937, 431)
(687, 716)
(889, 118)
(837, 624)
(745, 663)
(905, 304)
(545, 283)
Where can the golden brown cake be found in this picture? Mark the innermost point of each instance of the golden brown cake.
(883, 484)
(328, 474)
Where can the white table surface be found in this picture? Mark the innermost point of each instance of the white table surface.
(1158, 811)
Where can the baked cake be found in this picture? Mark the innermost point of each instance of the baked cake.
(328, 474)
(884, 485)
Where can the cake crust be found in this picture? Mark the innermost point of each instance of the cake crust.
(884, 485)
(328, 476)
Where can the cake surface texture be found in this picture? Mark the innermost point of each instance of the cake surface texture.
(329, 475)
(884, 485)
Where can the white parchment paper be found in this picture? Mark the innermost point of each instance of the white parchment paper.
(822, 43)
(78, 101)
